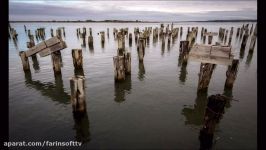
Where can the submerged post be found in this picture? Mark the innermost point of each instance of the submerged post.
(77, 58)
(205, 74)
(77, 94)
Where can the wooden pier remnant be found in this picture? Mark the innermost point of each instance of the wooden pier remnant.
(119, 68)
(77, 58)
(231, 74)
(56, 61)
(244, 40)
(230, 36)
(130, 39)
(237, 33)
(206, 70)
(108, 33)
(24, 60)
(141, 49)
(213, 114)
(253, 39)
(127, 61)
(90, 41)
(102, 37)
(52, 33)
(184, 49)
(210, 39)
(78, 94)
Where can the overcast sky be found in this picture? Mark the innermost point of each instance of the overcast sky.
(23, 10)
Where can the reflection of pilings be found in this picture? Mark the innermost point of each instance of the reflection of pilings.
(35, 62)
(213, 114)
(231, 74)
(194, 116)
(48, 89)
(82, 127)
(121, 88)
(183, 72)
(141, 49)
(205, 74)
(141, 73)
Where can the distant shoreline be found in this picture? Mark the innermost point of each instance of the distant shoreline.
(122, 21)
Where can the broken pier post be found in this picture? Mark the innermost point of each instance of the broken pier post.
(119, 68)
(130, 39)
(77, 94)
(24, 60)
(77, 58)
(206, 70)
(253, 39)
(141, 49)
(231, 74)
(213, 114)
(56, 60)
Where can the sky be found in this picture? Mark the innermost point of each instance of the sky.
(188, 10)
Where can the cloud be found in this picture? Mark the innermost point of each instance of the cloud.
(131, 10)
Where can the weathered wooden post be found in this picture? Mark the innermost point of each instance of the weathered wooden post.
(184, 48)
(24, 60)
(119, 68)
(181, 31)
(90, 31)
(141, 49)
(130, 39)
(77, 58)
(231, 74)
(205, 74)
(108, 33)
(213, 114)
(225, 39)
(25, 28)
(52, 33)
(253, 39)
(210, 39)
(244, 40)
(251, 29)
(127, 63)
(237, 33)
(77, 94)
(121, 44)
(102, 37)
(90, 41)
(230, 36)
(56, 60)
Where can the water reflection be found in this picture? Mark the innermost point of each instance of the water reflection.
(79, 72)
(141, 73)
(242, 53)
(82, 127)
(194, 115)
(121, 88)
(55, 91)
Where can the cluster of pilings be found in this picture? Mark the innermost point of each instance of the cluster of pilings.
(40, 33)
(122, 62)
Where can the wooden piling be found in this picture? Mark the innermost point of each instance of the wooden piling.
(213, 114)
(24, 60)
(141, 49)
(210, 39)
(56, 61)
(119, 68)
(230, 36)
(206, 70)
(77, 58)
(231, 74)
(130, 39)
(127, 63)
(244, 40)
(253, 39)
(90, 41)
(52, 33)
(77, 94)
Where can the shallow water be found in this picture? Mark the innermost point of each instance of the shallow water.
(156, 107)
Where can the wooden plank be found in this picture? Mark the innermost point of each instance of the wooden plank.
(35, 49)
(52, 41)
(54, 48)
(200, 50)
(212, 60)
(220, 51)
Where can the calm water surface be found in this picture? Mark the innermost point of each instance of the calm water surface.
(156, 107)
